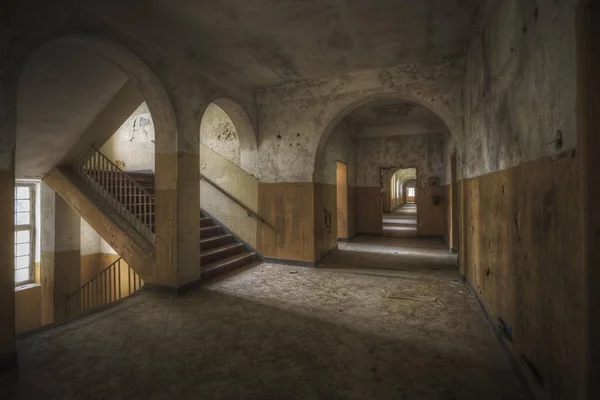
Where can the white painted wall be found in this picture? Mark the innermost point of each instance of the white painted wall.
(133, 143)
(218, 133)
(91, 242)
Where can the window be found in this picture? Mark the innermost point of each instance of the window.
(24, 232)
(411, 192)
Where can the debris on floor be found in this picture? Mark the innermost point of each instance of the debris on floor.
(432, 300)
(294, 271)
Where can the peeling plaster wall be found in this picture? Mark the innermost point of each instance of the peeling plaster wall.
(296, 119)
(218, 133)
(236, 182)
(132, 145)
(521, 234)
(425, 152)
(520, 85)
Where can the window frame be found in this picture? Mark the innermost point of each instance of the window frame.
(31, 228)
(410, 192)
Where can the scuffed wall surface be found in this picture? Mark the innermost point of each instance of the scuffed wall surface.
(295, 119)
(236, 182)
(523, 255)
(132, 145)
(218, 133)
(521, 211)
(425, 152)
(520, 85)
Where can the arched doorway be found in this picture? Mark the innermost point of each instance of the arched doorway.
(375, 137)
(228, 188)
(73, 94)
(400, 208)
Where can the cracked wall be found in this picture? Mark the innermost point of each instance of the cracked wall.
(296, 119)
(520, 243)
(132, 145)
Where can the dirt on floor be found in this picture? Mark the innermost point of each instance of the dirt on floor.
(383, 318)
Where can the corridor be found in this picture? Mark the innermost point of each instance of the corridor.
(402, 222)
(383, 318)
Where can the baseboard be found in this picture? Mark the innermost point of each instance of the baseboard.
(299, 263)
(294, 263)
(500, 338)
(9, 361)
(440, 237)
(172, 290)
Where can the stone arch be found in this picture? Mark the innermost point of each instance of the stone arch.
(245, 131)
(451, 119)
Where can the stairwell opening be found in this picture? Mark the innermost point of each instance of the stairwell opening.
(228, 189)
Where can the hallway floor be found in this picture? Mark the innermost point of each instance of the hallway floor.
(383, 318)
(402, 222)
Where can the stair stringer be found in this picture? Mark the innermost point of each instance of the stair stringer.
(117, 232)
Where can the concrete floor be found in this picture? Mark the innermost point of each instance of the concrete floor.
(402, 222)
(383, 318)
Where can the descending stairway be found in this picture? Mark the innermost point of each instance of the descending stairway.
(220, 251)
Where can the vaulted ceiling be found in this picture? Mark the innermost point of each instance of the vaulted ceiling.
(266, 42)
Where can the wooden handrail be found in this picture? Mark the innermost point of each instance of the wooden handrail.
(250, 212)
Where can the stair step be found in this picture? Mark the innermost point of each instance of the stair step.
(221, 252)
(227, 264)
(209, 231)
(206, 221)
(215, 241)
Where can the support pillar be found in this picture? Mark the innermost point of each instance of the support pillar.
(178, 207)
(8, 356)
(47, 245)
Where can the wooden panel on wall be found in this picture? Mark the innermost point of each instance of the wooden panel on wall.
(342, 199)
(369, 217)
(431, 217)
(28, 308)
(289, 210)
(523, 245)
(352, 209)
(448, 213)
(325, 219)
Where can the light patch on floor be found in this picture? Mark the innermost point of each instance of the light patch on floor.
(402, 222)
(394, 322)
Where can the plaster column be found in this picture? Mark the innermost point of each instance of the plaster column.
(7, 203)
(177, 205)
(47, 218)
(67, 254)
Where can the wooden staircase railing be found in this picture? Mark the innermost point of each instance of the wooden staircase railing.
(134, 202)
(113, 283)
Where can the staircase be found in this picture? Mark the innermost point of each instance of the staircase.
(132, 195)
(220, 252)
(113, 283)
